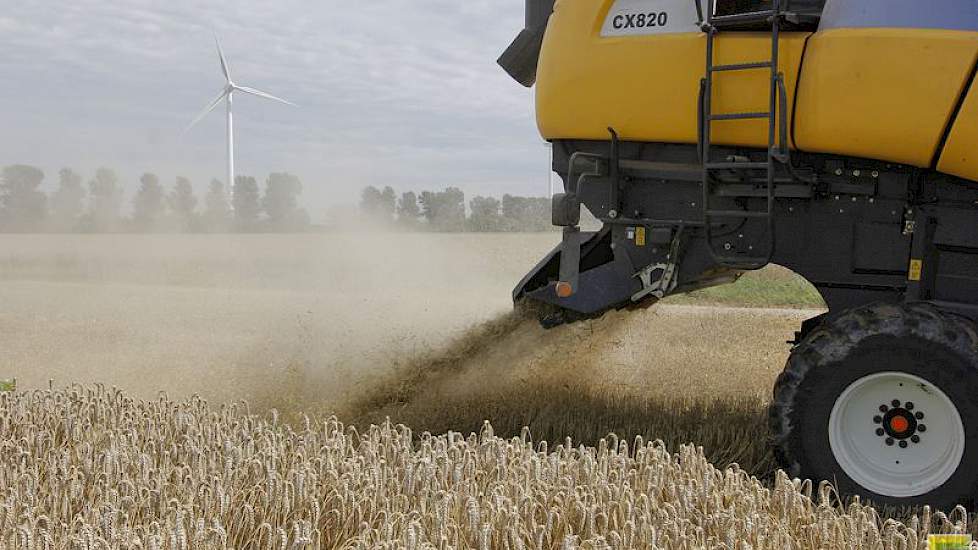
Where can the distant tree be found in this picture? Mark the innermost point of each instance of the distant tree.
(429, 207)
(68, 202)
(106, 200)
(454, 213)
(183, 204)
(281, 203)
(388, 202)
(370, 199)
(444, 210)
(246, 201)
(539, 212)
(408, 210)
(484, 215)
(23, 206)
(526, 213)
(377, 205)
(217, 211)
(148, 206)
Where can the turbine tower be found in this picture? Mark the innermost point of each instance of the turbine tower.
(227, 94)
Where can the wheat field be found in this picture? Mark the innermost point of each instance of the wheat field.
(320, 391)
(87, 467)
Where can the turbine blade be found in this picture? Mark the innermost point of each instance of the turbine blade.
(260, 93)
(224, 61)
(210, 107)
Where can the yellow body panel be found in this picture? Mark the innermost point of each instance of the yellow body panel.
(646, 87)
(885, 94)
(960, 156)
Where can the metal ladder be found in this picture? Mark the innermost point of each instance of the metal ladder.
(777, 150)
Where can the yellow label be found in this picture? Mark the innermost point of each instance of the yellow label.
(916, 269)
(639, 236)
(949, 542)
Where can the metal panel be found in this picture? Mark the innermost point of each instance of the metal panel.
(957, 275)
(881, 93)
(880, 248)
(958, 15)
(646, 87)
(960, 156)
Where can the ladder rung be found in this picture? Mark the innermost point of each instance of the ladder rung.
(743, 66)
(736, 214)
(748, 17)
(740, 116)
(736, 166)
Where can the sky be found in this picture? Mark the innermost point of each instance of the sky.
(403, 93)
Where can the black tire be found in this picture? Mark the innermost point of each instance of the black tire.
(917, 339)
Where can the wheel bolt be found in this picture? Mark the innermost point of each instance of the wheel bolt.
(903, 444)
(921, 428)
(908, 405)
(877, 419)
(915, 438)
(889, 441)
(919, 416)
(880, 432)
(895, 403)
(884, 408)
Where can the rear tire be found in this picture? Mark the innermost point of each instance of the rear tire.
(883, 402)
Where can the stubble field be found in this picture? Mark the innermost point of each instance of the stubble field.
(415, 328)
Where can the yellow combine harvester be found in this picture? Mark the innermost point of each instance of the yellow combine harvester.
(838, 138)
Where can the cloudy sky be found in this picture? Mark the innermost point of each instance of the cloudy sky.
(390, 92)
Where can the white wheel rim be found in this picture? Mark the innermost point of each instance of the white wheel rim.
(894, 470)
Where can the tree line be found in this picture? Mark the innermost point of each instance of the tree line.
(445, 211)
(96, 207)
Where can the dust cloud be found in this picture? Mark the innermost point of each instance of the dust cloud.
(244, 316)
(409, 326)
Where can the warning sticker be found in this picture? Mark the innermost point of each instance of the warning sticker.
(916, 270)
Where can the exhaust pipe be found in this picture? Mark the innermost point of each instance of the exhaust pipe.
(521, 57)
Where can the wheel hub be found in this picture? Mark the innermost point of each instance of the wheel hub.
(901, 423)
(879, 437)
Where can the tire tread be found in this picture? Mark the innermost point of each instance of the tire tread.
(838, 337)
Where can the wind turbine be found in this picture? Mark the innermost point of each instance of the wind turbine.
(227, 94)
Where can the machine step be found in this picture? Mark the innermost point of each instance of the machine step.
(742, 66)
(741, 116)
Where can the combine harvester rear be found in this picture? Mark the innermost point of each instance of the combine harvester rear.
(837, 138)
